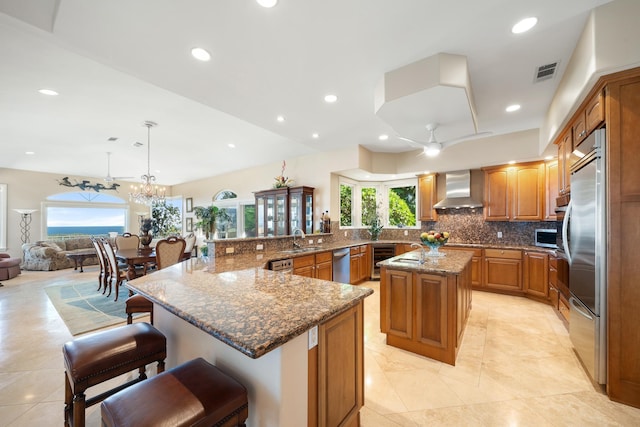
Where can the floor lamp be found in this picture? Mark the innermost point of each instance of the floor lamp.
(25, 223)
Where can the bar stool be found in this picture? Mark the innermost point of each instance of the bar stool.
(95, 358)
(195, 393)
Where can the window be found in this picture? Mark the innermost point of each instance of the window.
(242, 213)
(392, 202)
(80, 213)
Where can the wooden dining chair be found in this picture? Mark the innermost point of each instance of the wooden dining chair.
(117, 274)
(190, 240)
(127, 241)
(168, 252)
(103, 277)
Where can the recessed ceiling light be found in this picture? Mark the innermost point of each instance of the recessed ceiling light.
(280, 119)
(231, 145)
(383, 137)
(330, 99)
(267, 3)
(548, 158)
(512, 162)
(512, 108)
(315, 135)
(200, 54)
(524, 25)
(49, 92)
(29, 153)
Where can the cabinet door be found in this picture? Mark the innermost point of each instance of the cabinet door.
(496, 195)
(565, 148)
(579, 129)
(528, 188)
(354, 263)
(341, 369)
(270, 212)
(260, 216)
(281, 226)
(432, 308)
(594, 112)
(536, 274)
(551, 179)
(503, 269)
(304, 265)
(427, 194)
(398, 294)
(324, 266)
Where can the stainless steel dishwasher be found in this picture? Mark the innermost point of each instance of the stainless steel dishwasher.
(342, 265)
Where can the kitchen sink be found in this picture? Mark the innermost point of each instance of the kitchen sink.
(298, 250)
(416, 260)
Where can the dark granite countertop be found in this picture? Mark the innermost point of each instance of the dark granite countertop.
(452, 262)
(251, 309)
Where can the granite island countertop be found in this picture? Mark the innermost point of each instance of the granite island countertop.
(253, 310)
(453, 262)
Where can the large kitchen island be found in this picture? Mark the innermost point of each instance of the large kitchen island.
(424, 306)
(296, 343)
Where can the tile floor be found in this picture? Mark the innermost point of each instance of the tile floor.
(515, 368)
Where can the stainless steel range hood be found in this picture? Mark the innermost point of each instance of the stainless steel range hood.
(458, 192)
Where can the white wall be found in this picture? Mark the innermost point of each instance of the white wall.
(609, 43)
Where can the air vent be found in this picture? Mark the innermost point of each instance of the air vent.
(112, 139)
(138, 144)
(546, 72)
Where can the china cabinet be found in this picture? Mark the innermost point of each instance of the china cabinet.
(282, 210)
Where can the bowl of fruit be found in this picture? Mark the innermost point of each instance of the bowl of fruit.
(434, 239)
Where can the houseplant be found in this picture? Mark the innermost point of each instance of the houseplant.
(207, 217)
(145, 231)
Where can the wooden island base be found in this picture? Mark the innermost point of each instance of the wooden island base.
(425, 309)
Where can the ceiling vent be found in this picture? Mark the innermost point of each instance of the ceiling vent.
(546, 72)
(112, 139)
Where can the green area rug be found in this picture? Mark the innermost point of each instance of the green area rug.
(85, 309)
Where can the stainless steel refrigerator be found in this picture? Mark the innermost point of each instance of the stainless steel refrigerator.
(585, 228)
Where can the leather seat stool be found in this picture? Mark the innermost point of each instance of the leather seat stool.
(138, 304)
(95, 358)
(195, 393)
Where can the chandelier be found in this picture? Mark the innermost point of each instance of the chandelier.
(147, 193)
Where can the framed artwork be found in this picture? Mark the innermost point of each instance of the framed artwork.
(189, 203)
(189, 225)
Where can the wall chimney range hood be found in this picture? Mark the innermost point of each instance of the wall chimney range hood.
(458, 191)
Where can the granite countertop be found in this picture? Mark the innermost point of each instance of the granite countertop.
(251, 309)
(453, 262)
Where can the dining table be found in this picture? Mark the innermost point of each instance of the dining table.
(133, 257)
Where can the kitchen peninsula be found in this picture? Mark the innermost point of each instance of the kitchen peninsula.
(296, 343)
(424, 307)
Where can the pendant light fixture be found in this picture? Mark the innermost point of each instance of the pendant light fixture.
(147, 193)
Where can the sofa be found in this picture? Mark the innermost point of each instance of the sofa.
(9, 267)
(51, 255)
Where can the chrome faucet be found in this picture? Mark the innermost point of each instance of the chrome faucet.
(296, 244)
(422, 251)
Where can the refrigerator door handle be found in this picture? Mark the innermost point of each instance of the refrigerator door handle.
(565, 232)
(580, 310)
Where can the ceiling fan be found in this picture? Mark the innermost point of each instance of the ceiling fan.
(109, 179)
(432, 147)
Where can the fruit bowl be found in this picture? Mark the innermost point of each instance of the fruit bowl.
(434, 239)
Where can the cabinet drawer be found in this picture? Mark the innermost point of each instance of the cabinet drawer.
(503, 253)
(553, 262)
(553, 276)
(476, 252)
(363, 249)
(304, 261)
(323, 257)
(355, 250)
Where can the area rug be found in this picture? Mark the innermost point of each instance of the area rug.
(84, 309)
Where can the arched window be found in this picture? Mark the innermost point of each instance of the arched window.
(84, 214)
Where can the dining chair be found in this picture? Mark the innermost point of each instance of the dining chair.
(190, 240)
(127, 241)
(117, 274)
(104, 264)
(169, 251)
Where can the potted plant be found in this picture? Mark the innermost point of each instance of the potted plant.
(145, 228)
(207, 216)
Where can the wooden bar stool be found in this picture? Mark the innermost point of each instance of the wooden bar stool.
(195, 393)
(93, 359)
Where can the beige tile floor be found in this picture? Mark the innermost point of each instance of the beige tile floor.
(515, 368)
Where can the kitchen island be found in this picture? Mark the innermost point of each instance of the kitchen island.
(424, 307)
(296, 343)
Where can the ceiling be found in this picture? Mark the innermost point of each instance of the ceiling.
(118, 63)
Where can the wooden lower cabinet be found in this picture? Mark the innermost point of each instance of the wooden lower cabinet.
(318, 266)
(536, 274)
(336, 371)
(425, 313)
(476, 263)
(360, 264)
(503, 270)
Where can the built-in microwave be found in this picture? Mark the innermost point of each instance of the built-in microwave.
(546, 237)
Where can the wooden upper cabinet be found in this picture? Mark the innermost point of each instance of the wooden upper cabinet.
(594, 112)
(565, 147)
(496, 194)
(528, 192)
(514, 193)
(551, 186)
(427, 194)
(579, 128)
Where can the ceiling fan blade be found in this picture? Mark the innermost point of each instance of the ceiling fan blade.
(412, 142)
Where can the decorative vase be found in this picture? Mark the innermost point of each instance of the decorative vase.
(433, 249)
(145, 239)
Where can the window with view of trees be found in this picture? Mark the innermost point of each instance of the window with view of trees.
(393, 202)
